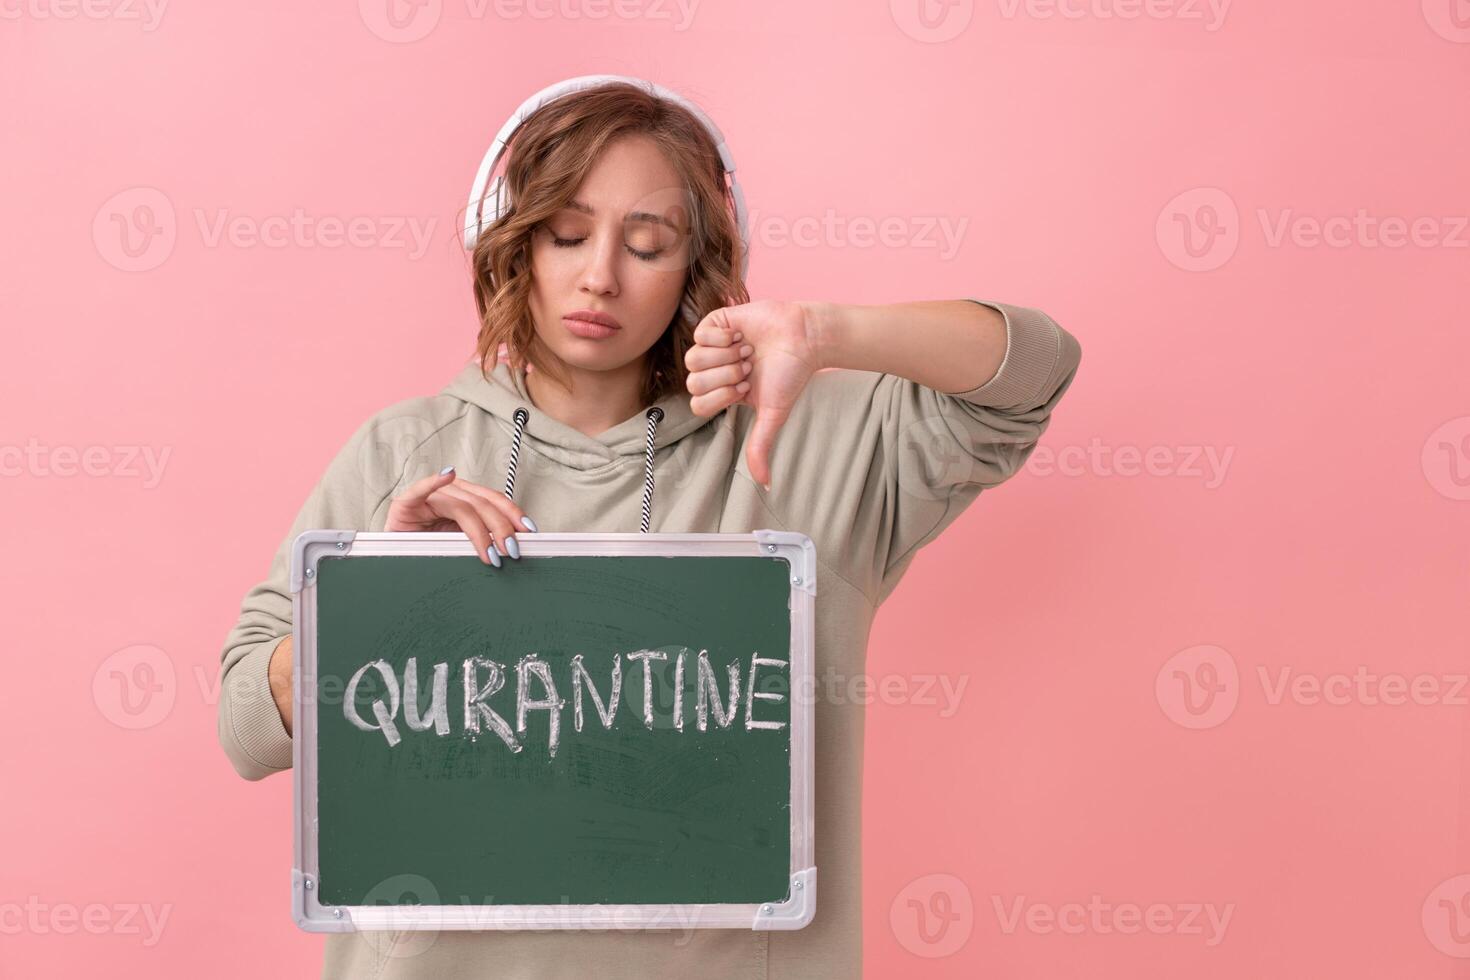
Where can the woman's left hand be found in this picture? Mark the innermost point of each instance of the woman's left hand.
(759, 354)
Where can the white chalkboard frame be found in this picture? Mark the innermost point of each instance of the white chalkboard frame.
(799, 906)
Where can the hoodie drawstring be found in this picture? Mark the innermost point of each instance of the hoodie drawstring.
(515, 453)
(654, 415)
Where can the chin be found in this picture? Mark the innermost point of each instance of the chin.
(592, 355)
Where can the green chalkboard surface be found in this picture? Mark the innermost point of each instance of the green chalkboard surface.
(578, 729)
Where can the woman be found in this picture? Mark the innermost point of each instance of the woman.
(613, 287)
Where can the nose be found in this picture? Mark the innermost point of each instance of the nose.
(601, 273)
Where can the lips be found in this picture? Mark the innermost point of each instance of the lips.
(592, 316)
(590, 325)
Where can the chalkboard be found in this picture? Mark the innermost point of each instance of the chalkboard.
(609, 732)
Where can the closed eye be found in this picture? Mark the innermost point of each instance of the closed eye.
(572, 242)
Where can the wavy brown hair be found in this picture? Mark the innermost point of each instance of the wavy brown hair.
(549, 155)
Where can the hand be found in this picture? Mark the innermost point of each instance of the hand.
(444, 503)
(767, 371)
(278, 670)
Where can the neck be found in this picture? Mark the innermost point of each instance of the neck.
(596, 400)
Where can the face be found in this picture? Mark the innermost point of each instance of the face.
(620, 249)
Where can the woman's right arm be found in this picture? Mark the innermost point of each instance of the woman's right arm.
(255, 720)
(253, 730)
(252, 727)
(440, 502)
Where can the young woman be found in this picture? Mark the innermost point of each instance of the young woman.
(612, 286)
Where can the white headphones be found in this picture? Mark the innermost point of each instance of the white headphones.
(485, 207)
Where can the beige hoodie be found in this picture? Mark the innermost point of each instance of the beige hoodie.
(871, 466)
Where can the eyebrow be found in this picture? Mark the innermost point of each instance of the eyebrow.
(641, 216)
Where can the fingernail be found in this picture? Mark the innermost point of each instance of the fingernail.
(447, 469)
(767, 486)
(512, 547)
(530, 524)
(745, 365)
(738, 335)
(743, 386)
(745, 350)
(493, 555)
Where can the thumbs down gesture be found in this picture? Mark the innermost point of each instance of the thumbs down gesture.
(758, 354)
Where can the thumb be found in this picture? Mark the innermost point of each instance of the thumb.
(768, 422)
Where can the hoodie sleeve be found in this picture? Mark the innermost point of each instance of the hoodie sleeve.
(878, 466)
(347, 495)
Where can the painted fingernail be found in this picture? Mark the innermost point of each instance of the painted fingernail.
(512, 547)
(745, 350)
(493, 555)
(447, 469)
(530, 524)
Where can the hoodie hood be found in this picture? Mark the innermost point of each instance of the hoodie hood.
(659, 425)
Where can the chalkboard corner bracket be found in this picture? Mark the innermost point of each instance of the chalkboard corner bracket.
(798, 551)
(308, 548)
(310, 914)
(797, 910)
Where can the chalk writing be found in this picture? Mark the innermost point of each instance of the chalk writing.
(537, 690)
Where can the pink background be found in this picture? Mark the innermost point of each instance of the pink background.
(1082, 605)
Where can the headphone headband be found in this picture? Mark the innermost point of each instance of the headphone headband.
(486, 202)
